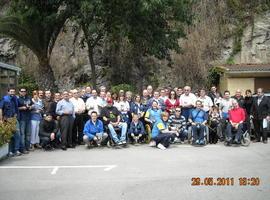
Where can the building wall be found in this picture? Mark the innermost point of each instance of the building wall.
(263, 82)
(240, 83)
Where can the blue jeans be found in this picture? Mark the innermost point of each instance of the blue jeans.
(198, 132)
(239, 131)
(25, 135)
(123, 127)
(14, 144)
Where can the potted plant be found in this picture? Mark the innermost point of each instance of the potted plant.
(7, 128)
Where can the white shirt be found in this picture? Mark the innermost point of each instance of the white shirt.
(225, 105)
(207, 102)
(186, 100)
(79, 105)
(122, 106)
(92, 104)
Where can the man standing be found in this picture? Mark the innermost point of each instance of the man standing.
(9, 109)
(65, 110)
(48, 101)
(93, 102)
(214, 93)
(206, 101)
(239, 98)
(79, 107)
(159, 100)
(261, 112)
(187, 101)
(24, 105)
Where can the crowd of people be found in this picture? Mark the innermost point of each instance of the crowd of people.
(93, 117)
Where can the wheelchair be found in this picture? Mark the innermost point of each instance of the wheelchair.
(245, 139)
(191, 138)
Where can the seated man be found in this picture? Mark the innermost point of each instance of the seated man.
(161, 135)
(93, 131)
(178, 123)
(136, 130)
(198, 119)
(112, 118)
(48, 132)
(237, 116)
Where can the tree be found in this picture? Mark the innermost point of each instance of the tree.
(36, 24)
(151, 27)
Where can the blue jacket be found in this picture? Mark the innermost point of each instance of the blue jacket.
(91, 129)
(9, 106)
(160, 103)
(134, 108)
(136, 129)
(158, 127)
(198, 116)
(24, 115)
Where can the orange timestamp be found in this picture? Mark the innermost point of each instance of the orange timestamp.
(228, 181)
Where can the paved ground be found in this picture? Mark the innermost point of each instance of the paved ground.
(136, 172)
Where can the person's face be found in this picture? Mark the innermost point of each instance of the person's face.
(66, 95)
(213, 89)
(154, 105)
(48, 118)
(108, 95)
(94, 93)
(48, 94)
(40, 94)
(179, 91)
(23, 92)
(83, 92)
(165, 118)
(235, 104)
(238, 93)
(202, 93)
(248, 94)
(259, 92)
(149, 90)
(145, 93)
(57, 96)
(94, 117)
(156, 95)
(135, 118)
(11, 92)
(102, 95)
(75, 94)
(227, 95)
(187, 90)
(88, 90)
(198, 105)
(121, 98)
(162, 93)
(138, 98)
(177, 112)
(173, 95)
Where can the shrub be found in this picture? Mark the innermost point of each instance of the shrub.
(125, 87)
(7, 128)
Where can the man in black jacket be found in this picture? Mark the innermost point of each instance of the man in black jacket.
(48, 129)
(261, 112)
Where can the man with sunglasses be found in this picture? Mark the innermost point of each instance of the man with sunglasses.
(24, 105)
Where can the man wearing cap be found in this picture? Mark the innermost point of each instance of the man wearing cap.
(112, 118)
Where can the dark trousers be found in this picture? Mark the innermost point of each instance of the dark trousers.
(259, 130)
(77, 132)
(213, 137)
(239, 131)
(164, 138)
(198, 132)
(186, 112)
(66, 124)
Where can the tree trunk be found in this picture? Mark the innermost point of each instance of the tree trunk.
(45, 77)
(93, 67)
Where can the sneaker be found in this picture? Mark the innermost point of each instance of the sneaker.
(10, 154)
(177, 140)
(152, 144)
(265, 141)
(32, 148)
(25, 152)
(201, 142)
(197, 142)
(17, 153)
(160, 146)
(124, 142)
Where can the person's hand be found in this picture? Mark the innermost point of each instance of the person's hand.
(24, 108)
(105, 118)
(58, 118)
(95, 138)
(268, 118)
(140, 135)
(193, 123)
(52, 136)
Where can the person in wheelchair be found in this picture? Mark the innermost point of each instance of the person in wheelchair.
(214, 125)
(178, 123)
(94, 131)
(198, 120)
(112, 118)
(237, 117)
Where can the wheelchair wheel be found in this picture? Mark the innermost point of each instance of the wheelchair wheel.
(245, 141)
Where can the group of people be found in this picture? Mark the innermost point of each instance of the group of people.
(161, 117)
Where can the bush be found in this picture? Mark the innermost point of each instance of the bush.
(28, 83)
(125, 87)
(7, 128)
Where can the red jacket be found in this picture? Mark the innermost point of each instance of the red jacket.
(170, 106)
(237, 115)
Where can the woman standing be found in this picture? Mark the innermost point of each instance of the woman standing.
(123, 106)
(36, 116)
(172, 102)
